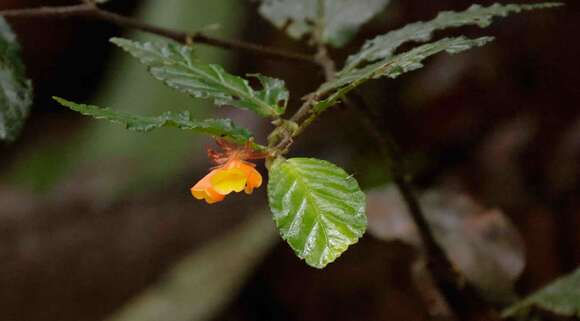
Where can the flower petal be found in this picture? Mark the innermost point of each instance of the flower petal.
(207, 195)
(229, 180)
(235, 175)
(254, 181)
(203, 190)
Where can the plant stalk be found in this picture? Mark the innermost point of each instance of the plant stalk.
(463, 299)
(90, 10)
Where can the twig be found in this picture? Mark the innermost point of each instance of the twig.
(461, 297)
(329, 68)
(282, 144)
(325, 62)
(90, 10)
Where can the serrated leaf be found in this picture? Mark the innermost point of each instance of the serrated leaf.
(339, 19)
(15, 88)
(318, 208)
(392, 67)
(176, 66)
(561, 297)
(383, 46)
(215, 127)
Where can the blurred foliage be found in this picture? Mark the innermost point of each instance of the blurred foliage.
(15, 88)
(483, 243)
(561, 297)
(338, 20)
(199, 286)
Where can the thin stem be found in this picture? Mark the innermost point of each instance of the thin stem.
(462, 298)
(304, 109)
(327, 65)
(282, 145)
(62, 12)
(329, 68)
(89, 10)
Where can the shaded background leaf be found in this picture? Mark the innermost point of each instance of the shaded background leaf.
(483, 243)
(340, 19)
(15, 88)
(201, 284)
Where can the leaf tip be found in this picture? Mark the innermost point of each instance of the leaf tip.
(60, 100)
(119, 42)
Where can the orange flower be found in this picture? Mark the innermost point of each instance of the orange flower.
(204, 190)
(233, 174)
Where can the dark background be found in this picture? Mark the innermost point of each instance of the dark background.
(500, 123)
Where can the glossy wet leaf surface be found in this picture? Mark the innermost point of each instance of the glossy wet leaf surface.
(318, 207)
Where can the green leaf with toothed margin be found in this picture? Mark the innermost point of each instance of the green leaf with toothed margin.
(393, 67)
(377, 57)
(384, 46)
(318, 208)
(215, 127)
(176, 66)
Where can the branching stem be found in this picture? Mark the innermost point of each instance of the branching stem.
(462, 298)
(328, 66)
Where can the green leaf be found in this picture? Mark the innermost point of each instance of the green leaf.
(376, 59)
(215, 127)
(15, 88)
(176, 66)
(319, 208)
(383, 46)
(392, 67)
(561, 297)
(338, 19)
